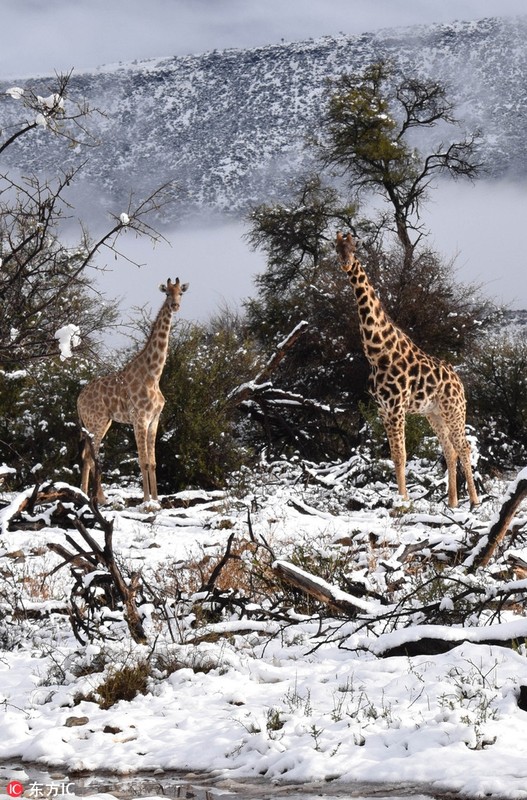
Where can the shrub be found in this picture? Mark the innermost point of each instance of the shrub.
(124, 683)
(199, 442)
(39, 432)
(497, 393)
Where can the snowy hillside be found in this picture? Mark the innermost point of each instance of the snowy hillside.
(230, 126)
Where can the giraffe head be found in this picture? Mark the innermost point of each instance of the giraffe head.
(173, 292)
(346, 247)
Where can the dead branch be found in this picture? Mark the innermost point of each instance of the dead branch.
(100, 563)
(483, 552)
(337, 600)
(64, 497)
(246, 390)
(215, 574)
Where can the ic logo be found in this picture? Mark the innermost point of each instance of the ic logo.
(15, 789)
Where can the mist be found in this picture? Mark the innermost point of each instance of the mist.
(60, 35)
(478, 227)
(214, 259)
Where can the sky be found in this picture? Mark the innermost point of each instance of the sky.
(43, 36)
(47, 36)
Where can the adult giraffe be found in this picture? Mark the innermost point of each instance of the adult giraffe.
(131, 395)
(406, 380)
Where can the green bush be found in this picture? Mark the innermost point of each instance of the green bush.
(199, 442)
(39, 431)
(420, 440)
(497, 398)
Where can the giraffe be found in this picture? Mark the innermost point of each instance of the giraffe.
(131, 395)
(404, 379)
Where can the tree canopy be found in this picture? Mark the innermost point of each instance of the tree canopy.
(368, 135)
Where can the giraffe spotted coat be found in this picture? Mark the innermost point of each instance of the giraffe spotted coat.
(404, 379)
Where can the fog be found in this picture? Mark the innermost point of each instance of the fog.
(60, 35)
(477, 226)
(214, 259)
(481, 226)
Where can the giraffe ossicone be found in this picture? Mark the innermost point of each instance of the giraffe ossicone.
(131, 395)
(406, 380)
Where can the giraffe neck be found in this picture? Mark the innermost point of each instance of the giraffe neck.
(150, 361)
(378, 332)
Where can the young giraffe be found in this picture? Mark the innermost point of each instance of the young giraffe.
(131, 395)
(404, 379)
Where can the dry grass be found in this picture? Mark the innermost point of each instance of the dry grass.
(124, 683)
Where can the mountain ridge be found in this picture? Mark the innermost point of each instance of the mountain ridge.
(229, 127)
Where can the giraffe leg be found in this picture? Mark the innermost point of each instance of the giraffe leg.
(141, 434)
(151, 456)
(90, 454)
(87, 465)
(443, 433)
(462, 446)
(394, 424)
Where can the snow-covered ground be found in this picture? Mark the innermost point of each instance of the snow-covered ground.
(277, 693)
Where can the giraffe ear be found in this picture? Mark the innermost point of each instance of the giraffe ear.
(162, 288)
(182, 286)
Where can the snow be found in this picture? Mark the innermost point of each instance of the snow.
(16, 92)
(286, 700)
(68, 337)
(52, 102)
(41, 120)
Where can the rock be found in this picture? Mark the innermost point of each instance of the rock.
(111, 729)
(73, 722)
(522, 699)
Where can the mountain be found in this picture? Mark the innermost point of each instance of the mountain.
(230, 127)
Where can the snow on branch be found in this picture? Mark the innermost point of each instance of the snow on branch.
(514, 496)
(245, 390)
(68, 337)
(323, 591)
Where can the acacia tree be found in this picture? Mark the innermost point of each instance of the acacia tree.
(296, 239)
(367, 135)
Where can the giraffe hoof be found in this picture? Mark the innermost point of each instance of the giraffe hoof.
(150, 506)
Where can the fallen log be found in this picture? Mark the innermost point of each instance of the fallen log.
(435, 639)
(337, 600)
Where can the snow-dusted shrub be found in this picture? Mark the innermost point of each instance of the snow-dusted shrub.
(199, 442)
(497, 388)
(39, 433)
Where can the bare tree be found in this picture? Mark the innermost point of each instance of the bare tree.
(45, 286)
